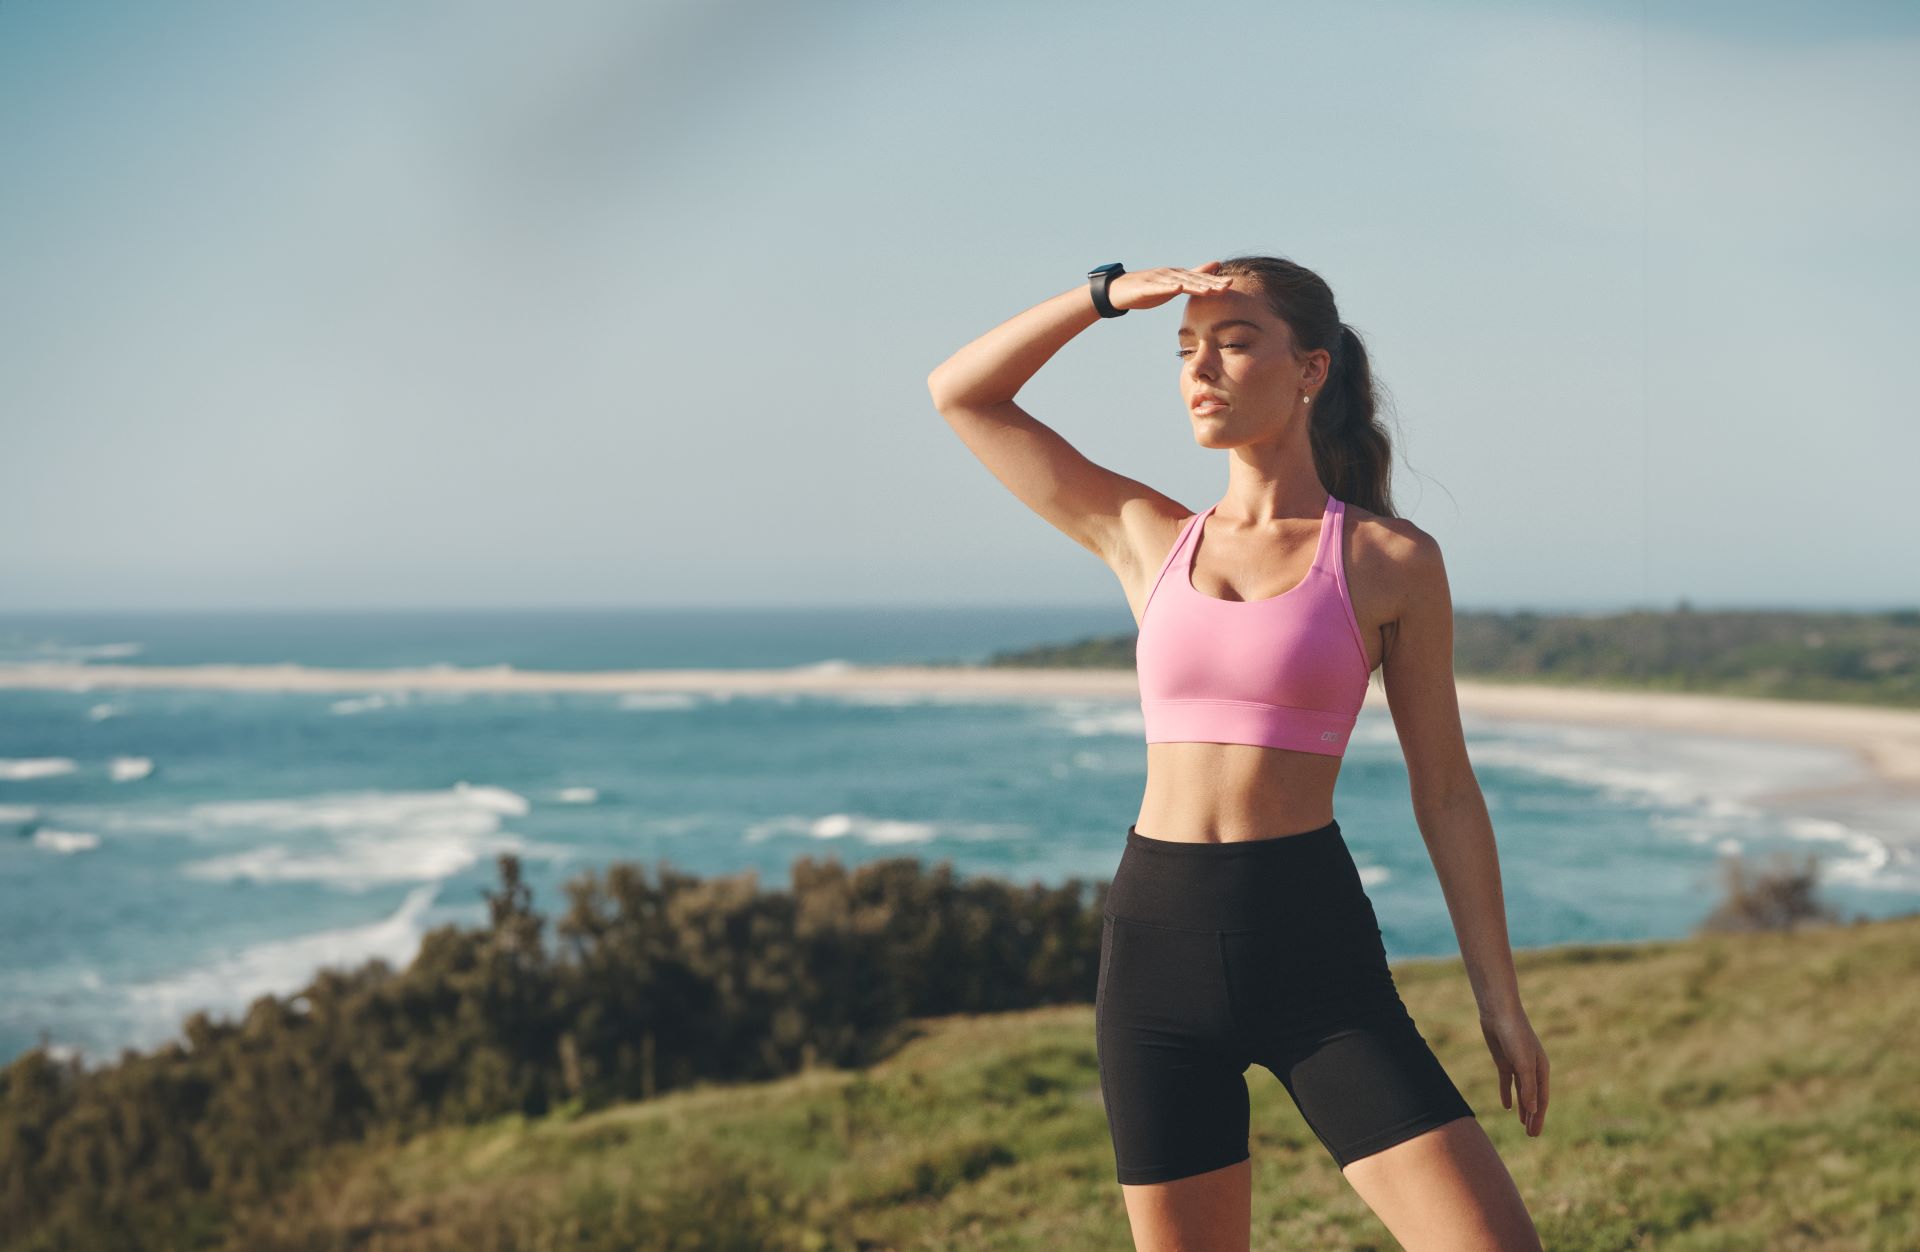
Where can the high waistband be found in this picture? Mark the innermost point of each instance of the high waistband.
(1267, 846)
(1248, 884)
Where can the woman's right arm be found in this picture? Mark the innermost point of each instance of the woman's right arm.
(974, 389)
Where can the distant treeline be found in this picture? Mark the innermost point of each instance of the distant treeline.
(1871, 658)
(651, 983)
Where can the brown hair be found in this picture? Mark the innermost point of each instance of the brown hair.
(1351, 448)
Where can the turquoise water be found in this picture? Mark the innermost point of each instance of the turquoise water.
(167, 850)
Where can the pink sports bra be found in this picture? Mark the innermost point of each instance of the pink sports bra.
(1288, 671)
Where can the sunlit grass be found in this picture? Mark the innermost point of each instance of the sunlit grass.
(1732, 1091)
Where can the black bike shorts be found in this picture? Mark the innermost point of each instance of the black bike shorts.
(1218, 956)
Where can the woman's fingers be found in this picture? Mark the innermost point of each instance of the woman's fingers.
(1537, 1090)
(1533, 1093)
(1501, 1065)
(1522, 1062)
(1191, 280)
(1161, 285)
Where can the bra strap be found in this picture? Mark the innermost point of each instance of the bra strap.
(1179, 546)
(1329, 535)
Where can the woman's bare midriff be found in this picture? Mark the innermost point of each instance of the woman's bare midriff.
(1226, 792)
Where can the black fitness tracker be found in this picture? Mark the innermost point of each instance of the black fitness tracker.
(1097, 280)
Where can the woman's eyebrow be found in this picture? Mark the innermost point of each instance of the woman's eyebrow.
(1218, 326)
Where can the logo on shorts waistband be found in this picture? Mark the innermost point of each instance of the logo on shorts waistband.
(1328, 735)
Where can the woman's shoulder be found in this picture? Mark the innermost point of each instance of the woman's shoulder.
(1391, 551)
(1396, 538)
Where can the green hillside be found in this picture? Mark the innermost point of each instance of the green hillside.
(1729, 1091)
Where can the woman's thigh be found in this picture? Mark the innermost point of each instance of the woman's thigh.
(1171, 1073)
(1321, 1011)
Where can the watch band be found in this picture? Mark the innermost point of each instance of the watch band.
(1097, 280)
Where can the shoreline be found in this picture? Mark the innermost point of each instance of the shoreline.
(1885, 741)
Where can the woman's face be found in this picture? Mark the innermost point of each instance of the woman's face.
(1232, 348)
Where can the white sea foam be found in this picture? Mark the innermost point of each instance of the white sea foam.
(357, 862)
(1703, 790)
(843, 826)
(882, 698)
(101, 712)
(368, 703)
(1638, 766)
(129, 768)
(21, 769)
(1097, 718)
(1098, 763)
(1866, 858)
(1373, 730)
(80, 653)
(278, 966)
(1695, 828)
(885, 699)
(358, 841)
(676, 824)
(659, 701)
(361, 809)
(65, 841)
(577, 795)
(22, 813)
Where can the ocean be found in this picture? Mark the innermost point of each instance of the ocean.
(168, 850)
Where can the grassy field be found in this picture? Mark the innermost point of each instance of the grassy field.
(1726, 1092)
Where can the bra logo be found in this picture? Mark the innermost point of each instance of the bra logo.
(1327, 734)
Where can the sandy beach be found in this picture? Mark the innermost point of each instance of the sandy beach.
(1885, 790)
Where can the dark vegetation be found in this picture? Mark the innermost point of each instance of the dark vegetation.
(1871, 658)
(1778, 897)
(650, 985)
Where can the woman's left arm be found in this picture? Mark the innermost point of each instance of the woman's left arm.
(1452, 813)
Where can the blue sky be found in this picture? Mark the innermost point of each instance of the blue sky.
(603, 303)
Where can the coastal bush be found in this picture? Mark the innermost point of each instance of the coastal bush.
(650, 983)
(1780, 896)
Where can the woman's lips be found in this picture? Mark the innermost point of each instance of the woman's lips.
(1209, 406)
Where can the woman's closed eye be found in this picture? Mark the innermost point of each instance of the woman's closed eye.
(1182, 353)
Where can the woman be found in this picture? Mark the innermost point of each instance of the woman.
(1237, 931)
